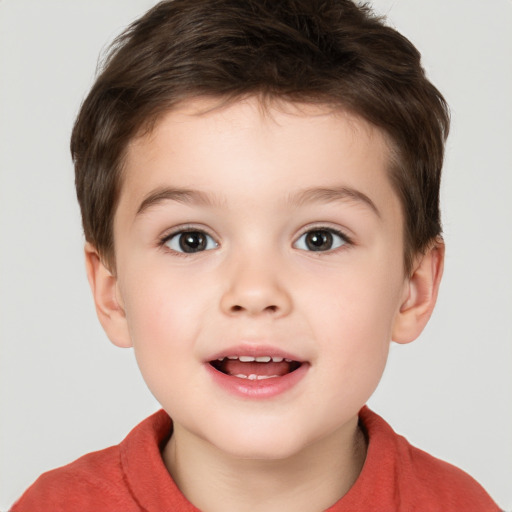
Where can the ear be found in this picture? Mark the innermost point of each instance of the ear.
(106, 296)
(420, 294)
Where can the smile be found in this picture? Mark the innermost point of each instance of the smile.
(258, 376)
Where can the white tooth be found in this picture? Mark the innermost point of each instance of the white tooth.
(232, 357)
(263, 359)
(277, 359)
(252, 377)
(241, 376)
(288, 360)
(261, 377)
(220, 359)
(246, 359)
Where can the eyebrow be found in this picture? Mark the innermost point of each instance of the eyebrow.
(181, 195)
(309, 195)
(328, 194)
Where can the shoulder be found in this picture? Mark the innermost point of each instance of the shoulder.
(99, 481)
(92, 482)
(409, 479)
(443, 483)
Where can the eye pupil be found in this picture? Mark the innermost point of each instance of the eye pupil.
(319, 240)
(193, 241)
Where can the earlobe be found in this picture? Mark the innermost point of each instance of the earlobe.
(420, 294)
(104, 287)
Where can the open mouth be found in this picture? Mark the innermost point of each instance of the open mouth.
(255, 368)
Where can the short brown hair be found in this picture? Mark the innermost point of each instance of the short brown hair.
(331, 52)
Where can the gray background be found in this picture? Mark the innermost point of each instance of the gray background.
(65, 390)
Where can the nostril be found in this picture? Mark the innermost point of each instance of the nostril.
(271, 309)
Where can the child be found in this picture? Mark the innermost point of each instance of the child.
(259, 186)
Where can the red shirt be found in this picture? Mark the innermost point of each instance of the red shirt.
(132, 477)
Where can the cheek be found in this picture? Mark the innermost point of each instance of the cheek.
(352, 298)
(163, 316)
(354, 327)
(353, 352)
(159, 302)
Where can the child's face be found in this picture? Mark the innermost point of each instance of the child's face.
(277, 234)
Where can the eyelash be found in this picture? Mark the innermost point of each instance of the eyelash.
(164, 240)
(347, 241)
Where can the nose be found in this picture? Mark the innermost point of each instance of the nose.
(255, 288)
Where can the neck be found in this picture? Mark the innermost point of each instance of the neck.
(309, 481)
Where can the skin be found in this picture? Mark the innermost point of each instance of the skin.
(258, 283)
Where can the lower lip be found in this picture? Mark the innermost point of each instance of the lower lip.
(258, 389)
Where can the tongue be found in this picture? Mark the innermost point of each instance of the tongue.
(236, 367)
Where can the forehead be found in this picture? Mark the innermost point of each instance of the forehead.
(269, 148)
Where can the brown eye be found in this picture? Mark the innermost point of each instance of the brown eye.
(320, 240)
(191, 242)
